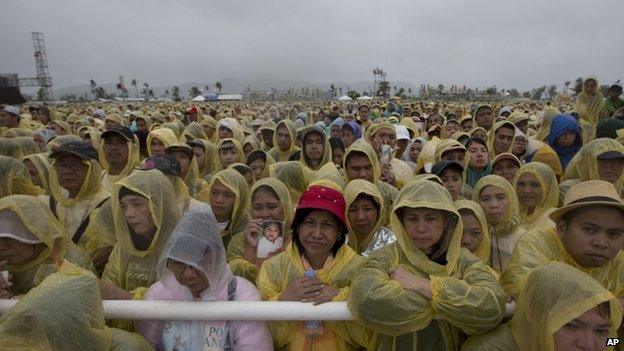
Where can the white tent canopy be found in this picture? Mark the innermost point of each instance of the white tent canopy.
(344, 98)
(364, 98)
(199, 98)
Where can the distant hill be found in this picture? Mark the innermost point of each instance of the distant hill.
(233, 86)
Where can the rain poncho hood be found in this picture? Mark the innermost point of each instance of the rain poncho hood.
(559, 126)
(354, 189)
(154, 186)
(134, 159)
(492, 137)
(39, 221)
(236, 247)
(404, 319)
(68, 300)
(362, 146)
(15, 179)
(327, 152)
(233, 125)
(194, 131)
(483, 251)
(550, 194)
(196, 242)
(91, 186)
(554, 295)
(237, 184)
(586, 167)
(355, 129)
(295, 175)
(18, 147)
(590, 107)
(164, 135)
(283, 155)
(512, 217)
(42, 164)
(239, 151)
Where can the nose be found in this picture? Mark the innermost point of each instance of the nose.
(360, 216)
(187, 273)
(600, 241)
(586, 340)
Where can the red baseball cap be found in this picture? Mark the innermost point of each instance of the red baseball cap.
(322, 198)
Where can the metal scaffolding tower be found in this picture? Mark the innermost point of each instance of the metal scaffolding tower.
(43, 79)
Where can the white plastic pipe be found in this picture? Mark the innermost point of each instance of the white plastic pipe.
(222, 310)
(225, 310)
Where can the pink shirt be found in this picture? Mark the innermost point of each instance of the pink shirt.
(204, 335)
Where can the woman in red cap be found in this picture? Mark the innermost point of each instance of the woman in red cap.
(316, 267)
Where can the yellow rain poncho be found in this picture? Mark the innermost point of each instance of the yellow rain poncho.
(210, 153)
(64, 313)
(194, 183)
(236, 248)
(95, 137)
(402, 171)
(388, 192)
(466, 297)
(38, 220)
(237, 184)
(354, 189)
(483, 251)
(134, 159)
(18, 147)
(239, 152)
(208, 122)
(327, 152)
(590, 108)
(270, 126)
(506, 234)
(15, 179)
(329, 176)
(279, 271)
(448, 145)
(283, 155)
(233, 125)
(100, 236)
(268, 161)
(295, 175)
(549, 113)
(18, 132)
(71, 212)
(129, 268)
(426, 159)
(584, 165)
(194, 131)
(42, 164)
(164, 135)
(492, 136)
(542, 245)
(550, 196)
(176, 127)
(554, 295)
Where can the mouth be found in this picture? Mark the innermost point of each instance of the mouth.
(598, 255)
(316, 244)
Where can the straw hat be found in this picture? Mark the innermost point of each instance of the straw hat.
(589, 193)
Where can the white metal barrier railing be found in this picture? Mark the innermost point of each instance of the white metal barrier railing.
(225, 310)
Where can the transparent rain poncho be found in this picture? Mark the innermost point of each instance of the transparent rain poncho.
(15, 179)
(554, 295)
(466, 296)
(36, 219)
(236, 247)
(64, 313)
(550, 195)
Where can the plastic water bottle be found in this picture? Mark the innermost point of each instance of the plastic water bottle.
(313, 327)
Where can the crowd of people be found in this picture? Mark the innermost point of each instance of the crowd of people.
(429, 219)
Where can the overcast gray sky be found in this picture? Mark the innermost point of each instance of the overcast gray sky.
(509, 43)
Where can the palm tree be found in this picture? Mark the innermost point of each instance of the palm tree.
(333, 90)
(176, 93)
(218, 85)
(146, 90)
(133, 82)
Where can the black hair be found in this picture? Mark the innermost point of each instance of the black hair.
(476, 140)
(242, 169)
(256, 155)
(371, 199)
(123, 191)
(266, 188)
(302, 214)
(336, 143)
